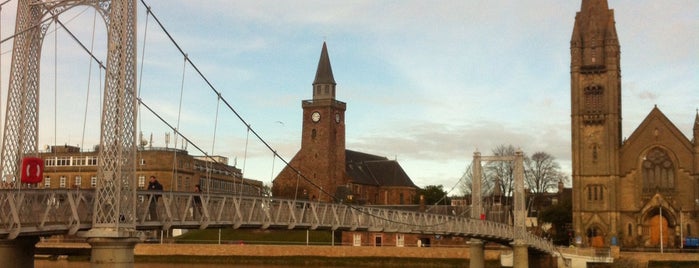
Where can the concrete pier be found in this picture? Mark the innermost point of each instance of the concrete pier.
(19, 252)
(476, 253)
(520, 256)
(117, 252)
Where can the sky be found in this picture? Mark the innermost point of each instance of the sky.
(427, 83)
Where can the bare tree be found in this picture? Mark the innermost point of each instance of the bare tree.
(502, 171)
(466, 183)
(542, 175)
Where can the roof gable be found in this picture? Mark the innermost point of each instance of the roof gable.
(656, 130)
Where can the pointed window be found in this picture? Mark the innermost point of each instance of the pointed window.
(658, 171)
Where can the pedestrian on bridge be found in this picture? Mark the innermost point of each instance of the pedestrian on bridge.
(196, 199)
(154, 185)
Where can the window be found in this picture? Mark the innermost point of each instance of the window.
(78, 181)
(143, 162)
(141, 181)
(62, 182)
(357, 239)
(47, 182)
(63, 161)
(595, 192)
(91, 160)
(400, 240)
(594, 105)
(79, 161)
(93, 182)
(658, 171)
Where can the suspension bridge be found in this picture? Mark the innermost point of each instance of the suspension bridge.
(114, 215)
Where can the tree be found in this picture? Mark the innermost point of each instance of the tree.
(542, 173)
(502, 171)
(560, 216)
(434, 195)
(466, 183)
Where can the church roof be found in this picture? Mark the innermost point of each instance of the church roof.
(324, 73)
(368, 169)
(656, 114)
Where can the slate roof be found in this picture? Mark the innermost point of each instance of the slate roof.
(324, 73)
(368, 169)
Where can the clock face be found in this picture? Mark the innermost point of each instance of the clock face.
(315, 116)
(337, 118)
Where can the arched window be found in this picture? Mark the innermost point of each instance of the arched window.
(658, 171)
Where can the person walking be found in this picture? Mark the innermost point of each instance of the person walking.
(154, 185)
(197, 201)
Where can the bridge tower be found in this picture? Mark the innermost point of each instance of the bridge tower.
(114, 214)
(519, 245)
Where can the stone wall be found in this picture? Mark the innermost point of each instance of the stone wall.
(325, 251)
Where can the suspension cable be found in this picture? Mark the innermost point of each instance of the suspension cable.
(245, 159)
(140, 78)
(213, 143)
(179, 113)
(230, 107)
(87, 97)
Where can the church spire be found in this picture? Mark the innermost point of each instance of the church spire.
(594, 42)
(696, 128)
(324, 83)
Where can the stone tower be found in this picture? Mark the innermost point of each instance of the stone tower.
(596, 119)
(317, 170)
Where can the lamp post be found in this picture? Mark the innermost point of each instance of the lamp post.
(660, 225)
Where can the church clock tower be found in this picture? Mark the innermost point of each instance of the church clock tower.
(595, 120)
(321, 159)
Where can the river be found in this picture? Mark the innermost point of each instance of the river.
(85, 264)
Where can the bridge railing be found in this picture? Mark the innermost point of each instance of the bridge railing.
(33, 211)
(46, 212)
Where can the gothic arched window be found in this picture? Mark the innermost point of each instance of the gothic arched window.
(658, 171)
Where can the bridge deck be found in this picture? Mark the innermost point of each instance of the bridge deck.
(50, 212)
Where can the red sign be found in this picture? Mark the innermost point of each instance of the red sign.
(32, 170)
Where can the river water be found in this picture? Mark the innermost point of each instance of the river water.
(85, 264)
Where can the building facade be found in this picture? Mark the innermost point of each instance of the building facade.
(324, 170)
(69, 167)
(639, 192)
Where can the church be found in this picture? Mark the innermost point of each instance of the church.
(638, 192)
(324, 170)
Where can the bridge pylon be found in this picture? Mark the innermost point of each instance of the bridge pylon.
(114, 210)
(519, 245)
